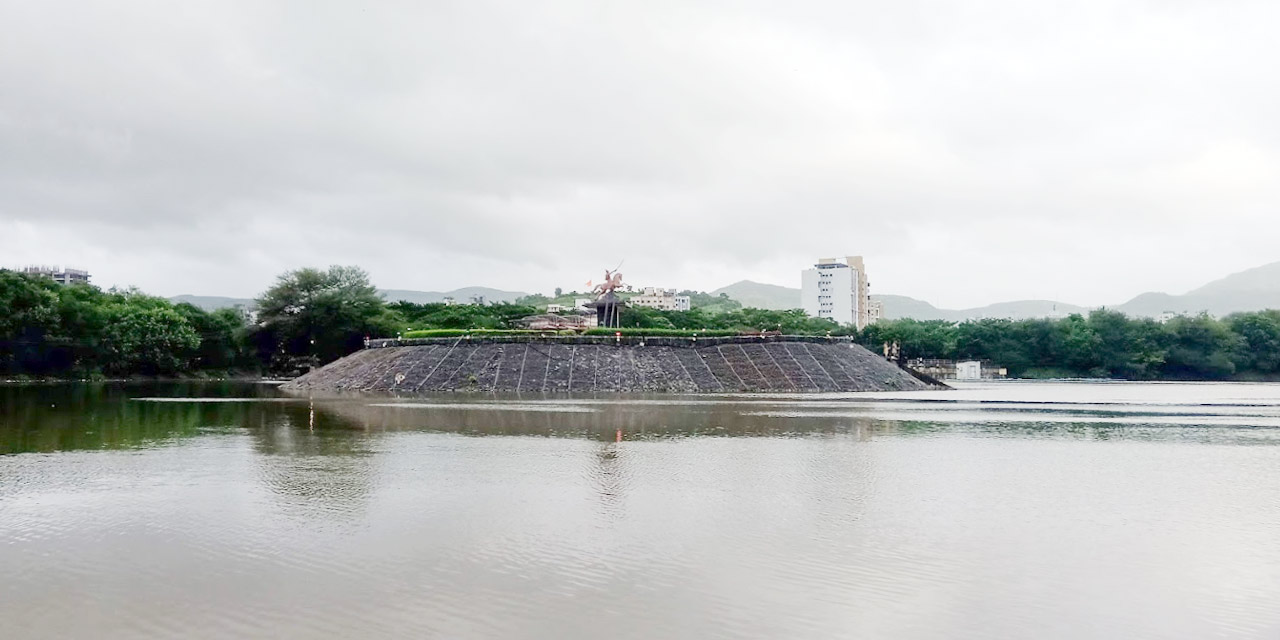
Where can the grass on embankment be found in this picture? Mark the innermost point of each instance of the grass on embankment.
(632, 331)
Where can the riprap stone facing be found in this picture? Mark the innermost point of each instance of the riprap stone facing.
(656, 366)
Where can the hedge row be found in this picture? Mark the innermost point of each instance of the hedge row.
(455, 333)
(664, 333)
(626, 331)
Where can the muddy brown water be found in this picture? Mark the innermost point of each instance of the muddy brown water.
(1009, 510)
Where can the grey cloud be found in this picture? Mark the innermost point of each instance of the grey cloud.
(524, 145)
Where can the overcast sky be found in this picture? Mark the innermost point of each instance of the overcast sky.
(1084, 151)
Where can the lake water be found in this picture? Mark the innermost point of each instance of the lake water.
(1002, 510)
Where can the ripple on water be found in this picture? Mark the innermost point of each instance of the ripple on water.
(523, 407)
(388, 523)
(215, 400)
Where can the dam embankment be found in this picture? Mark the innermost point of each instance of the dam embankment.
(589, 364)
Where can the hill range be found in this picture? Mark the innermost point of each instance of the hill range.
(1250, 290)
(769, 296)
(465, 294)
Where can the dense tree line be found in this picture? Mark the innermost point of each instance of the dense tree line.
(308, 317)
(503, 315)
(1102, 344)
(47, 329)
(791, 321)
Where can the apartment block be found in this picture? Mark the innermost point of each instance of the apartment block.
(58, 274)
(838, 290)
(664, 299)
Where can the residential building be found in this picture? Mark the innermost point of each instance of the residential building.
(837, 290)
(58, 274)
(875, 311)
(664, 299)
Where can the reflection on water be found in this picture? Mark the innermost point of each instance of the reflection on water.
(313, 465)
(1036, 510)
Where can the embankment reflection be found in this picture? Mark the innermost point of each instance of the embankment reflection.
(605, 422)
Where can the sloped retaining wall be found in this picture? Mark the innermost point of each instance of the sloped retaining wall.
(779, 364)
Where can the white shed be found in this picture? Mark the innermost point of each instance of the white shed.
(969, 370)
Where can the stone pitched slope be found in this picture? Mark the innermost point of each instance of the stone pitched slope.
(658, 366)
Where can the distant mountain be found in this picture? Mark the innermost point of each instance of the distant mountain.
(897, 307)
(1264, 279)
(761, 296)
(1022, 309)
(772, 296)
(212, 303)
(1151, 305)
(463, 295)
(1251, 290)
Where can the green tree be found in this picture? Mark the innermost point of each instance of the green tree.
(915, 338)
(409, 315)
(631, 316)
(998, 340)
(1077, 346)
(149, 340)
(82, 322)
(711, 304)
(319, 315)
(1259, 340)
(222, 337)
(1044, 345)
(696, 319)
(1112, 347)
(1201, 347)
(532, 300)
(28, 319)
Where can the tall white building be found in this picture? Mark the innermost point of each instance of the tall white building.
(837, 290)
